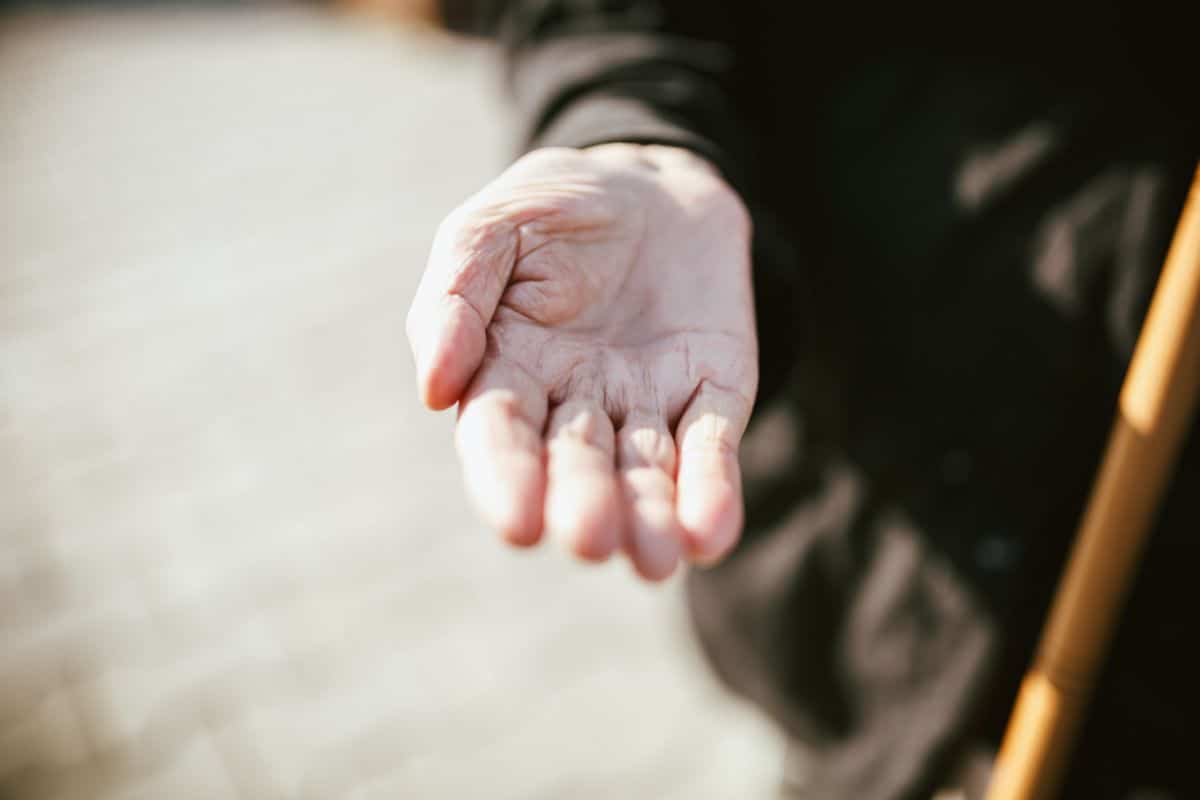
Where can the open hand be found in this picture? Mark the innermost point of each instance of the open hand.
(591, 313)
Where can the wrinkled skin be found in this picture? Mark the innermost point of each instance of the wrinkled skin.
(591, 313)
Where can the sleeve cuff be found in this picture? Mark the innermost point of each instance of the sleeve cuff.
(600, 117)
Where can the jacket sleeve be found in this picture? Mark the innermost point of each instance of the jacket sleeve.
(586, 72)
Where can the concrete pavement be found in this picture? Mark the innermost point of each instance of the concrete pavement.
(235, 558)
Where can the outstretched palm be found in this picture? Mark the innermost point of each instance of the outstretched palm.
(591, 312)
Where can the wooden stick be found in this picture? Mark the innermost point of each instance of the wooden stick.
(1155, 408)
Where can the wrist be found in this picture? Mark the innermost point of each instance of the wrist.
(661, 156)
(690, 175)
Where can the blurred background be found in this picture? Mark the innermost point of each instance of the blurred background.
(235, 557)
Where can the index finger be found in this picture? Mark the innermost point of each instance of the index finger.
(499, 439)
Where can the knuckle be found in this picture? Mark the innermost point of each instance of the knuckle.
(483, 233)
(472, 227)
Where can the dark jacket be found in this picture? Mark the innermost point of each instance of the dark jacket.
(959, 220)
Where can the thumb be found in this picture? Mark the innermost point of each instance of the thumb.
(469, 267)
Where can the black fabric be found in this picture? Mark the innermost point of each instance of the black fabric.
(957, 229)
(895, 574)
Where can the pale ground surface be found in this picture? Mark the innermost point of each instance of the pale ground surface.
(235, 559)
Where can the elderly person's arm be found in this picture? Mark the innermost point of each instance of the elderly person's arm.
(590, 310)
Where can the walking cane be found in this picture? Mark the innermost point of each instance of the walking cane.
(1155, 407)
